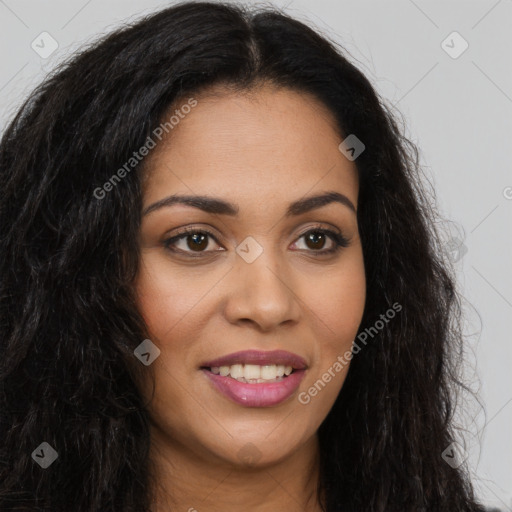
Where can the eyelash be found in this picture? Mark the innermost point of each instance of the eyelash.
(339, 240)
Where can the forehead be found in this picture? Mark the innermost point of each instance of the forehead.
(255, 144)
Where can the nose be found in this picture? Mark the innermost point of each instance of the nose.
(262, 294)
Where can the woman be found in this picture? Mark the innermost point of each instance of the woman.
(221, 283)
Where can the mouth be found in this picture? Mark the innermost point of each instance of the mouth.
(256, 379)
(256, 367)
(252, 373)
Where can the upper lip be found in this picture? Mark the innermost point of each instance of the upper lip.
(277, 357)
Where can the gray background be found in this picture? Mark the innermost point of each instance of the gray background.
(458, 110)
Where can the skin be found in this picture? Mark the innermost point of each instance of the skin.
(261, 150)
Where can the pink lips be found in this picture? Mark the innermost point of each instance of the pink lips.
(256, 395)
(258, 357)
(259, 394)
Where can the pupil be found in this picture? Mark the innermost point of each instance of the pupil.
(314, 238)
(195, 245)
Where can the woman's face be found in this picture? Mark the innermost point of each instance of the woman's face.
(266, 279)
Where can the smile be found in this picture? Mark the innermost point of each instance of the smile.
(253, 373)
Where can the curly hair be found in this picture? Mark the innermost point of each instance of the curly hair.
(68, 320)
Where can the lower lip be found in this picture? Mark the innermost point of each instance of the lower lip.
(256, 395)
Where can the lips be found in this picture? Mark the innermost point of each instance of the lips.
(271, 394)
(274, 357)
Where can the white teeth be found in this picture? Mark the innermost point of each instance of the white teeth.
(269, 372)
(253, 372)
(236, 371)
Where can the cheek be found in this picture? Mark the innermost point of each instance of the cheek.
(337, 304)
(338, 300)
(166, 295)
(166, 298)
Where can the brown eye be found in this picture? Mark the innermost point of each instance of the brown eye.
(315, 239)
(191, 240)
(197, 242)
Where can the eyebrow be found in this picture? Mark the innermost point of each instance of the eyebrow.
(218, 206)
